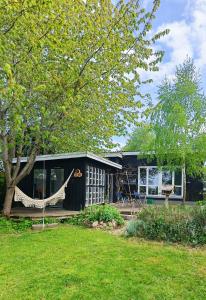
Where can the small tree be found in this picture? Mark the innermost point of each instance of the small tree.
(175, 134)
(68, 76)
(179, 122)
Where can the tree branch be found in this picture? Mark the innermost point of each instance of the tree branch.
(29, 165)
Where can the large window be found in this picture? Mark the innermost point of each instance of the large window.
(56, 180)
(151, 180)
(95, 185)
(39, 184)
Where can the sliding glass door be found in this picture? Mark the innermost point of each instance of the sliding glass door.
(39, 184)
(56, 180)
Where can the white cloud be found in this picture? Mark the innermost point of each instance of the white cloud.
(186, 37)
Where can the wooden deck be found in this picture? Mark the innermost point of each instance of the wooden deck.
(35, 213)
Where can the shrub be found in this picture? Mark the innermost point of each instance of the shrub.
(185, 225)
(47, 220)
(105, 213)
(201, 203)
(12, 226)
(19, 225)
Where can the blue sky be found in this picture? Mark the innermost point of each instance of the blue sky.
(186, 20)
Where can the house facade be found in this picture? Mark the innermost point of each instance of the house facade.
(94, 186)
(103, 178)
(141, 175)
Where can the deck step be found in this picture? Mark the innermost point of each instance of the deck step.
(128, 217)
(127, 212)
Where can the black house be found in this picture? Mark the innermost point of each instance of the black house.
(141, 175)
(103, 177)
(51, 171)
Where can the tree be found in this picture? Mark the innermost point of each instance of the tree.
(141, 139)
(69, 76)
(178, 122)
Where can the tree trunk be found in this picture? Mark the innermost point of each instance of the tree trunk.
(184, 185)
(8, 201)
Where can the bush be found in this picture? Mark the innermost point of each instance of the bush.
(19, 225)
(101, 213)
(201, 203)
(185, 225)
(12, 226)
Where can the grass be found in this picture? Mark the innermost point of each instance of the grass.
(77, 263)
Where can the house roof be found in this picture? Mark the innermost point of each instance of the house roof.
(73, 155)
(113, 154)
(124, 153)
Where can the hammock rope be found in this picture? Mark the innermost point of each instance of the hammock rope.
(41, 203)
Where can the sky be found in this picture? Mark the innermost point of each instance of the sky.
(186, 20)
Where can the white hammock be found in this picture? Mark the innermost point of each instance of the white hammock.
(41, 203)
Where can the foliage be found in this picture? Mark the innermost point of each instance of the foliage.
(140, 140)
(185, 225)
(105, 213)
(18, 225)
(12, 226)
(65, 66)
(47, 220)
(178, 121)
(201, 203)
(175, 134)
(72, 262)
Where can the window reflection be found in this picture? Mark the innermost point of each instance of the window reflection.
(39, 184)
(56, 180)
(166, 177)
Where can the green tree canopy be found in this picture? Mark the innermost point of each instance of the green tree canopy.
(176, 128)
(141, 139)
(175, 134)
(179, 122)
(69, 75)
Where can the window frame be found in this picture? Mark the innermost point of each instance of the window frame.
(147, 185)
(94, 185)
(50, 179)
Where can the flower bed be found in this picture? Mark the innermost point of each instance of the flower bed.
(98, 216)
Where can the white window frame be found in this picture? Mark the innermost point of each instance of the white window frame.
(95, 185)
(160, 195)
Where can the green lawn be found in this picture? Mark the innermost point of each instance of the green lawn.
(76, 263)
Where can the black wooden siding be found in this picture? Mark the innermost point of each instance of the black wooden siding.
(132, 162)
(76, 189)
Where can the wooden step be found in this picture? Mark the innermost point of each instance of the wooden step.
(127, 212)
(128, 217)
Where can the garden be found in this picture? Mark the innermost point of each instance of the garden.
(175, 224)
(82, 262)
